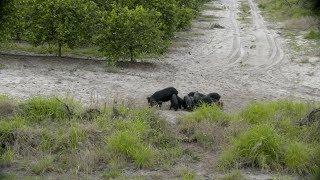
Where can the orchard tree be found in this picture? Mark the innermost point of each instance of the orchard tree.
(129, 33)
(62, 22)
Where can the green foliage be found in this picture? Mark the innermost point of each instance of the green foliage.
(185, 17)
(315, 35)
(62, 22)
(130, 33)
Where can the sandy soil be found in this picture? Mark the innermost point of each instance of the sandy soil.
(242, 61)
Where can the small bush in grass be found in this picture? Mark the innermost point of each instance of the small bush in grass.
(260, 146)
(43, 165)
(297, 157)
(208, 113)
(41, 109)
(128, 144)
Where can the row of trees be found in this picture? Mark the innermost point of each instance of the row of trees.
(123, 29)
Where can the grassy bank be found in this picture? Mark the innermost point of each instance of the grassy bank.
(57, 136)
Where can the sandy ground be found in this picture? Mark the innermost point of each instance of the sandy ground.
(242, 61)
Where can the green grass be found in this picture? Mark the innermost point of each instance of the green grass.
(297, 157)
(129, 144)
(260, 146)
(283, 10)
(263, 135)
(40, 136)
(208, 113)
(234, 175)
(314, 35)
(53, 135)
(42, 165)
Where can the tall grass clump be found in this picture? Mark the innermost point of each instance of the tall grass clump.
(210, 113)
(7, 106)
(274, 139)
(39, 109)
(130, 145)
(264, 112)
(260, 146)
(297, 157)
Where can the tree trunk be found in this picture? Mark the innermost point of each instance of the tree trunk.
(60, 47)
(131, 55)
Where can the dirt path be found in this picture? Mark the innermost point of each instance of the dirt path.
(242, 62)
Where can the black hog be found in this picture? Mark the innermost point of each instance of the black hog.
(161, 96)
(174, 102)
(214, 96)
